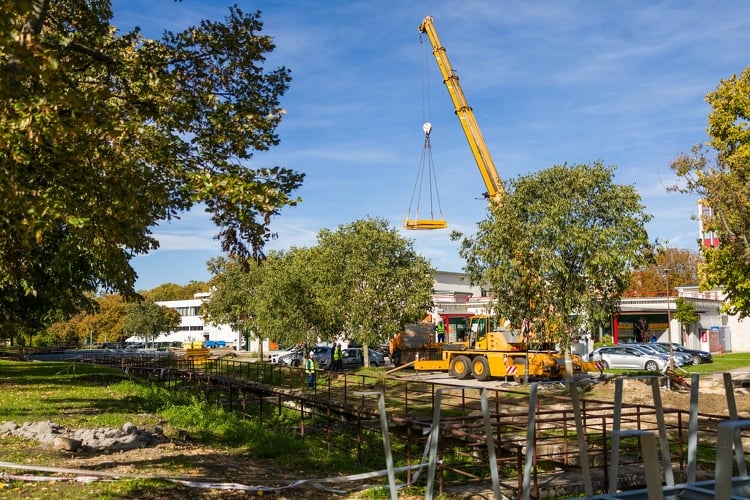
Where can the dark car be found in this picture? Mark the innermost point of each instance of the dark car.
(680, 358)
(698, 356)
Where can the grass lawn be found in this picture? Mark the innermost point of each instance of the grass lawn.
(724, 363)
(221, 445)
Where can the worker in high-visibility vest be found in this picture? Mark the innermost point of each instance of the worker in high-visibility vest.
(310, 370)
(337, 363)
(440, 328)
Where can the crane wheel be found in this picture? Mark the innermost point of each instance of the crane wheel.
(460, 367)
(480, 368)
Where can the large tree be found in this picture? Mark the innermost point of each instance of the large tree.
(234, 288)
(362, 281)
(107, 133)
(371, 280)
(275, 299)
(719, 173)
(290, 300)
(173, 291)
(557, 248)
(147, 319)
(104, 325)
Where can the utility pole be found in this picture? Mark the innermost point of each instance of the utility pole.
(669, 320)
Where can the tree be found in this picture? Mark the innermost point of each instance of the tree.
(685, 313)
(370, 280)
(363, 282)
(718, 172)
(173, 291)
(291, 301)
(557, 248)
(107, 134)
(106, 323)
(148, 319)
(234, 287)
(275, 299)
(681, 263)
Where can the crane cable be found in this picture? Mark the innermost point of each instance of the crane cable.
(426, 170)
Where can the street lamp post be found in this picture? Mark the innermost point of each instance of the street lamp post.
(669, 321)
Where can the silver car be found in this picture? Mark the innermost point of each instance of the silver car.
(353, 357)
(628, 357)
(323, 356)
(680, 359)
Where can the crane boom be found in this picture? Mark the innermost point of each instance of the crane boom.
(464, 112)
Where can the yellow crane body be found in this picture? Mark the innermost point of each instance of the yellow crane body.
(493, 353)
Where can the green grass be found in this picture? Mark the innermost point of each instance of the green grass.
(91, 396)
(727, 362)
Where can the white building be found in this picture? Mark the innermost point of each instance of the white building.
(192, 328)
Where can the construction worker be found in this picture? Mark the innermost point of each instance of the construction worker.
(310, 370)
(440, 329)
(337, 363)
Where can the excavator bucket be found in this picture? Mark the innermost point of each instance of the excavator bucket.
(425, 224)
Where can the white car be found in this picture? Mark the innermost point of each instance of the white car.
(273, 356)
(294, 358)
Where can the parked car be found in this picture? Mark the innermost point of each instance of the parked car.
(680, 359)
(274, 356)
(698, 356)
(376, 358)
(215, 344)
(323, 356)
(628, 357)
(353, 357)
(294, 358)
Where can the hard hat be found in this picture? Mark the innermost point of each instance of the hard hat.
(312, 354)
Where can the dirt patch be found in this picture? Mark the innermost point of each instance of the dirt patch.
(712, 396)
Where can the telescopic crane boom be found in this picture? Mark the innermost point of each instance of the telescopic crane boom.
(464, 112)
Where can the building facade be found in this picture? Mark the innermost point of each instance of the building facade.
(193, 328)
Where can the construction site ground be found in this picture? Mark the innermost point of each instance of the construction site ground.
(220, 466)
(712, 400)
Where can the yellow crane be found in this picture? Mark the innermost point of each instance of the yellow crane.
(464, 112)
(490, 352)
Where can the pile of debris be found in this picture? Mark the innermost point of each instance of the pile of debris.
(102, 440)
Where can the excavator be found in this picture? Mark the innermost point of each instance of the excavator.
(490, 351)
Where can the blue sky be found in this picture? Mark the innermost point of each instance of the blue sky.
(550, 83)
